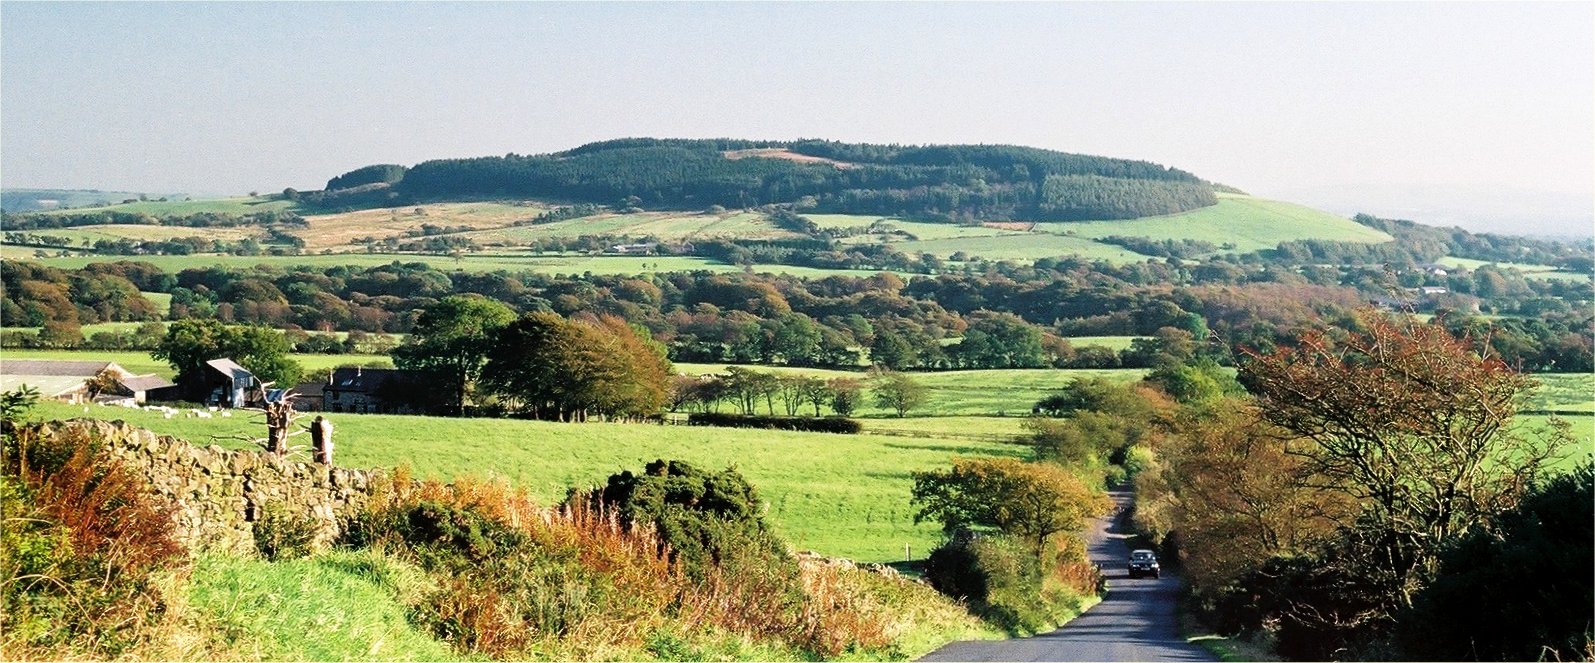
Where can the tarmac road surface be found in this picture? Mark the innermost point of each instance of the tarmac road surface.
(1136, 621)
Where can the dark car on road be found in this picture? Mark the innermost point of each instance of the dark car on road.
(1143, 563)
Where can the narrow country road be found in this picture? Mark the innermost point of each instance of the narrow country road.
(1136, 621)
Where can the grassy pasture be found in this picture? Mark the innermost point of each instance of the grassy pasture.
(840, 495)
(1114, 343)
(239, 205)
(1564, 392)
(1021, 247)
(930, 231)
(992, 392)
(667, 226)
(1248, 223)
(140, 362)
(1529, 270)
(341, 230)
(468, 263)
(140, 232)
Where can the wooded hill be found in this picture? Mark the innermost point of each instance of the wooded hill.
(942, 182)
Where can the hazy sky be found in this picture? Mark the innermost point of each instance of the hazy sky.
(232, 97)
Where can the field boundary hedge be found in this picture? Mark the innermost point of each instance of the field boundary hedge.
(841, 425)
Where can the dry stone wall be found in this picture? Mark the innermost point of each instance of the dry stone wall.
(221, 494)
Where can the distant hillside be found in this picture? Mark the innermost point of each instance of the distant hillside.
(40, 200)
(937, 182)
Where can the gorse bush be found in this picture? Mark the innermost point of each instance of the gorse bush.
(673, 563)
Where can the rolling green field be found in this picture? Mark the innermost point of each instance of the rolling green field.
(840, 495)
(468, 263)
(90, 330)
(139, 362)
(666, 226)
(994, 392)
(1239, 223)
(1564, 392)
(1021, 247)
(1114, 343)
(239, 205)
(1529, 270)
(138, 232)
(1248, 223)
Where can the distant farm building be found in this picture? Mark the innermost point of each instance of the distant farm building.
(68, 380)
(372, 390)
(308, 395)
(631, 249)
(222, 383)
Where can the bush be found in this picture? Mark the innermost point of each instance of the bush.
(1533, 567)
(283, 535)
(808, 424)
(1003, 581)
(81, 546)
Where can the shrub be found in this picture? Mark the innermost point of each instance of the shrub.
(809, 424)
(283, 535)
(1005, 583)
(80, 546)
(1533, 565)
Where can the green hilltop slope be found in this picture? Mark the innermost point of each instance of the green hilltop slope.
(955, 202)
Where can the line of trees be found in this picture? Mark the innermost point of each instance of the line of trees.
(940, 182)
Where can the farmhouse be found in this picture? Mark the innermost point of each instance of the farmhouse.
(67, 380)
(371, 390)
(307, 396)
(224, 383)
(631, 249)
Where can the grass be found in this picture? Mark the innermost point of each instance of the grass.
(666, 226)
(336, 606)
(1529, 270)
(1583, 432)
(1021, 247)
(1564, 392)
(1114, 343)
(140, 362)
(339, 231)
(1248, 223)
(626, 265)
(239, 205)
(999, 392)
(139, 232)
(840, 495)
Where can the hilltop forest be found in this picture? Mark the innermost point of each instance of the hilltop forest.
(940, 182)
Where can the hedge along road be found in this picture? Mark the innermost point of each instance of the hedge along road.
(1136, 621)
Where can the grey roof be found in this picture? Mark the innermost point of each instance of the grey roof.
(146, 382)
(365, 380)
(57, 367)
(231, 369)
(309, 389)
(49, 386)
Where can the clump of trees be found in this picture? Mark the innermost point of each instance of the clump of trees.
(1008, 552)
(549, 367)
(540, 365)
(1324, 509)
(188, 344)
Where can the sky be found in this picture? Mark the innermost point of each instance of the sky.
(1328, 103)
